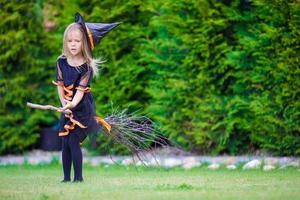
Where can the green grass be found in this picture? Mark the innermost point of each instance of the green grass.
(118, 182)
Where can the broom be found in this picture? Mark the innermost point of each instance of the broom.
(136, 132)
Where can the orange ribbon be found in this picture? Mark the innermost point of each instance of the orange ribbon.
(68, 95)
(70, 127)
(90, 37)
(85, 90)
(103, 123)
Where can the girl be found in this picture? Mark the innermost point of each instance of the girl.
(75, 68)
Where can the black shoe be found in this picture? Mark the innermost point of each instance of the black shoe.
(77, 180)
(65, 181)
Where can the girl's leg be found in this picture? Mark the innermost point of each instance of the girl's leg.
(66, 158)
(76, 156)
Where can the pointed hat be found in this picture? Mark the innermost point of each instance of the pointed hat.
(94, 31)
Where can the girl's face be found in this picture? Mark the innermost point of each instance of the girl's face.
(74, 42)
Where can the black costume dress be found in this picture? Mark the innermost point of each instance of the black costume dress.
(82, 120)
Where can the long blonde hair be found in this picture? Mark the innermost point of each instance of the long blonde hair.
(86, 52)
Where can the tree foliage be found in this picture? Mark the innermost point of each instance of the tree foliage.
(217, 76)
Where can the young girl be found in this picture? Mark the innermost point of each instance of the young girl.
(75, 68)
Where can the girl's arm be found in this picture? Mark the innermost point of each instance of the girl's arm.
(77, 98)
(60, 91)
(83, 85)
(60, 83)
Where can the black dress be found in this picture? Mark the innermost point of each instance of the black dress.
(82, 121)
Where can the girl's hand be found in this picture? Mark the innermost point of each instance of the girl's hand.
(68, 110)
(69, 105)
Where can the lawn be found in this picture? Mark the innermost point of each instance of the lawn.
(119, 182)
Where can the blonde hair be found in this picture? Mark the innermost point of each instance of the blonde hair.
(86, 52)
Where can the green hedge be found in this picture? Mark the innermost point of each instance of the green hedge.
(217, 76)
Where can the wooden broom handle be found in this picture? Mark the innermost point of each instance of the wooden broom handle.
(46, 107)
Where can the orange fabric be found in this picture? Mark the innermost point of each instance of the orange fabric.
(85, 90)
(68, 95)
(70, 127)
(103, 122)
(90, 37)
(69, 92)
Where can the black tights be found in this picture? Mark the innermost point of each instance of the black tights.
(71, 151)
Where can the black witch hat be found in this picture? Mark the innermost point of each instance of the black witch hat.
(94, 31)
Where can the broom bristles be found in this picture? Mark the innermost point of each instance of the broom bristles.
(136, 132)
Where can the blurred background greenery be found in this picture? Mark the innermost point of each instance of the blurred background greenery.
(218, 76)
